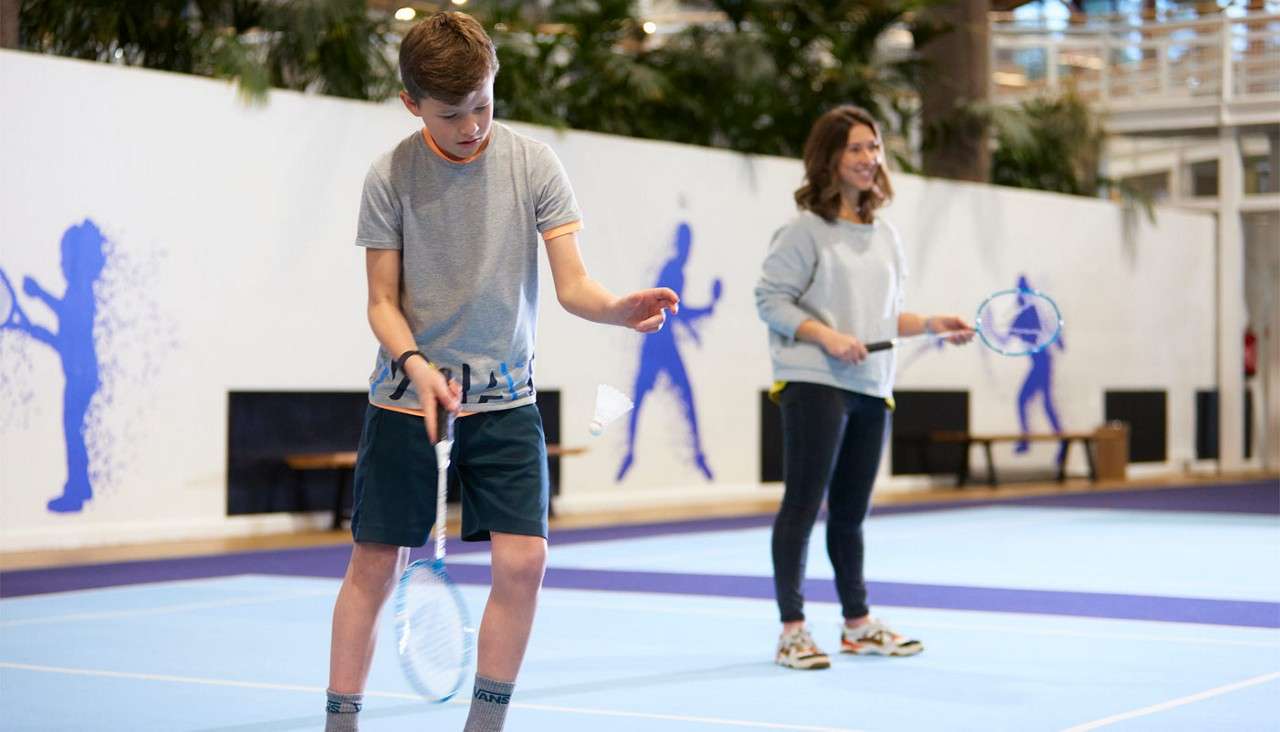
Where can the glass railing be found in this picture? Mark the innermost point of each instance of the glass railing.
(1120, 62)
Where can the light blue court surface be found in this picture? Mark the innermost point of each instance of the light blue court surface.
(1182, 554)
(250, 652)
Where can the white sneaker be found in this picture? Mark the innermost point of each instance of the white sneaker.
(797, 650)
(876, 638)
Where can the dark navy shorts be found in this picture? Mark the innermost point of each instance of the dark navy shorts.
(501, 463)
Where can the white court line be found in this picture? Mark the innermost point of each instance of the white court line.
(1181, 701)
(23, 599)
(164, 609)
(414, 697)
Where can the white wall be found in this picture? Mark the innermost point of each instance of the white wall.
(232, 267)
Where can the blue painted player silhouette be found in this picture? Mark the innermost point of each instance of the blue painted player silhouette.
(1039, 379)
(659, 354)
(83, 259)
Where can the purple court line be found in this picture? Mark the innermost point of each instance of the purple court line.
(1243, 613)
(331, 563)
(1259, 497)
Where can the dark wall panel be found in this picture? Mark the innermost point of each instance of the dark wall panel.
(263, 427)
(1207, 442)
(1146, 412)
(770, 440)
(919, 413)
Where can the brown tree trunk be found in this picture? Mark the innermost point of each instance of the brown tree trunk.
(9, 23)
(958, 74)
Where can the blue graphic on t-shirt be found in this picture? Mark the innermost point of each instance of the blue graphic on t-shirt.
(659, 354)
(1039, 379)
(83, 259)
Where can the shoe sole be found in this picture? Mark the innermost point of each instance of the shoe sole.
(869, 651)
(814, 666)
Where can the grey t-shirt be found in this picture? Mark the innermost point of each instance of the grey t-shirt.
(469, 234)
(848, 276)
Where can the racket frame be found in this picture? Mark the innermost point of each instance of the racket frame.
(977, 327)
(436, 566)
(1024, 292)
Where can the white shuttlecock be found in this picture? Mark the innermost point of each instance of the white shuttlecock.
(610, 404)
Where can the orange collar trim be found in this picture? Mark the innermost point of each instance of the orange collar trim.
(431, 143)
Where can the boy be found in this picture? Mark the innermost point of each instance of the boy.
(452, 220)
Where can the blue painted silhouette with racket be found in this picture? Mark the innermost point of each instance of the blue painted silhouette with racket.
(83, 259)
(1039, 379)
(660, 355)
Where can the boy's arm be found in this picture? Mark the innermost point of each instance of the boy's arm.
(643, 310)
(392, 331)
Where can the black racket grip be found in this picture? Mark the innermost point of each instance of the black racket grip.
(444, 418)
(879, 346)
(444, 424)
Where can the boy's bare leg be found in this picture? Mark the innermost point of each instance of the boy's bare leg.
(371, 575)
(518, 565)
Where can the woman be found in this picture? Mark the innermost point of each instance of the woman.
(833, 281)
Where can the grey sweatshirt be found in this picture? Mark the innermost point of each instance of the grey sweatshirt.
(848, 276)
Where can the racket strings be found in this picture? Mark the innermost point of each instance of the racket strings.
(432, 632)
(1018, 322)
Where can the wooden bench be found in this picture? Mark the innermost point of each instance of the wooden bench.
(343, 463)
(968, 439)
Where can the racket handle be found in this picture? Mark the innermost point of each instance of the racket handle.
(881, 345)
(444, 418)
(444, 425)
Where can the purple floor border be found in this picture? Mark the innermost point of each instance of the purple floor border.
(904, 594)
(1259, 497)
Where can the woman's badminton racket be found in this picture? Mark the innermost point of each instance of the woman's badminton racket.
(433, 628)
(1016, 322)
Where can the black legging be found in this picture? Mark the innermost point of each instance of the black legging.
(832, 439)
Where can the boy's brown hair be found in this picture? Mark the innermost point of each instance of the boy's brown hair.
(821, 190)
(446, 57)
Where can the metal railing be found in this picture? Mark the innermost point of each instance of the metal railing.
(1124, 63)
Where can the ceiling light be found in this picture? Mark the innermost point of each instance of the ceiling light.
(406, 14)
(650, 27)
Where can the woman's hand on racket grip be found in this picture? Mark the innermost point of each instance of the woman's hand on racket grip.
(958, 330)
(843, 347)
(432, 390)
(646, 310)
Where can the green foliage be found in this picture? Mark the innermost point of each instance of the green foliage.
(753, 84)
(1054, 144)
(1048, 143)
(327, 46)
(577, 64)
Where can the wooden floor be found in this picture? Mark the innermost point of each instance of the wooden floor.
(205, 547)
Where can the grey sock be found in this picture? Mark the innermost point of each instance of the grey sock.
(489, 702)
(343, 712)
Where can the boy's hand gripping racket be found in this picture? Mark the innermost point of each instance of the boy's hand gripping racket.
(433, 629)
(1016, 322)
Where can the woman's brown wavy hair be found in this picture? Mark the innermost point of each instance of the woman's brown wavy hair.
(820, 192)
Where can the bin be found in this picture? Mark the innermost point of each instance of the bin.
(1111, 451)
